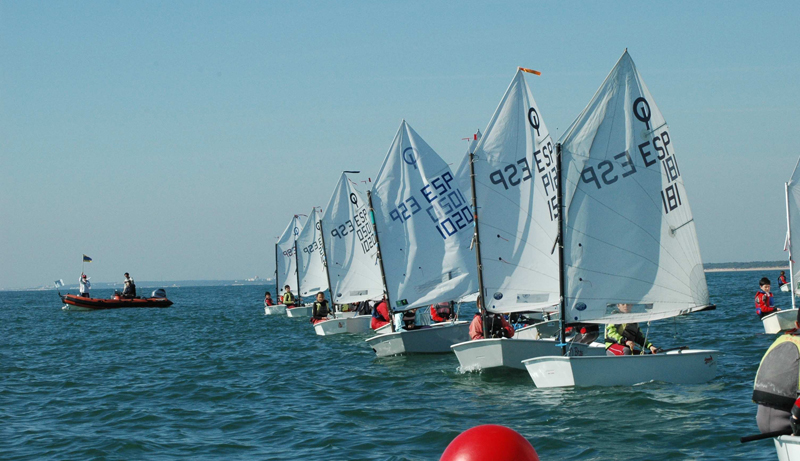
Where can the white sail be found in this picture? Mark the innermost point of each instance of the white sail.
(515, 188)
(311, 257)
(350, 245)
(423, 220)
(631, 251)
(793, 222)
(287, 264)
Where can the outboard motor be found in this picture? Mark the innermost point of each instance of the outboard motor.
(159, 293)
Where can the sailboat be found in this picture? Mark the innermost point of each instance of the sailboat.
(286, 265)
(351, 258)
(627, 237)
(422, 224)
(513, 184)
(784, 320)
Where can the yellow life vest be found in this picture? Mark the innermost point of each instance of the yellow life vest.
(288, 298)
(777, 381)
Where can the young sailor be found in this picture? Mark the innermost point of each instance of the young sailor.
(320, 311)
(128, 287)
(442, 312)
(380, 315)
(268, 299)
(85, 285)
(765, 305)
(498, 327)
(621, 339)
(776, 387)
(288, 297)
(410, 320)
(782, 279)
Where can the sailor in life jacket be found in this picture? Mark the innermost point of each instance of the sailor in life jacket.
(765, 305)
(268, 299)
(497, 325)
(288, 297)
(320, 311)
(380, 315)
(410, 320)
(128, 287)
(622, 339)
(782, 279)
(777, 386)
(442, 312)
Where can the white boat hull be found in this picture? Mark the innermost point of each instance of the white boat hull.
(275, 310)
(779, 321)
(301, 311)
(434, 340)
(788, 448)
(346, 315)
(785, 287)
(354, 325)
(485, 354)
(681, 367)
(540, 330)
(384, 329)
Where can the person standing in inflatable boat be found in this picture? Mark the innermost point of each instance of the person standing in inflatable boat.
(85, 286)
(765, 304)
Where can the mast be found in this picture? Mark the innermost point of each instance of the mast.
(277, 283)
(325, 260)
(481, 301)
(560, 243)
(297, 265)
(789, 242)
(380, 261)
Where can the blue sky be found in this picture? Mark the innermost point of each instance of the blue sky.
(174, 140)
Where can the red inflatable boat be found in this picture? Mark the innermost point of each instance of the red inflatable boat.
(75, 302)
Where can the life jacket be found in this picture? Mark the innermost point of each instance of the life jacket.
(620, 334)
(268, 301)
(782, 280)
(320, 309)
(288, 298)
(377, 315)
(443, 310)
(777, 381)
(409, 318)
(764, 303)
(496, 328)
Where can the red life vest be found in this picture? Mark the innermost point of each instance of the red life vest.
(764, 303)
(782, 280)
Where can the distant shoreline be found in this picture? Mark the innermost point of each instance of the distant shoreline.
(746, 269)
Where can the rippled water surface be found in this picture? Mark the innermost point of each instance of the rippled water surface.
(214, 378)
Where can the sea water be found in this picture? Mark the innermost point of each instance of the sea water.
(212, 377)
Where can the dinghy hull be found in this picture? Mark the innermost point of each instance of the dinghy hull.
(275, 310)
(788, 448)
(354, 325)
(300, 311)
(434, 340)
(680, 367)
(74, 302)
(785, 288)
(779, 321)
(487, 354)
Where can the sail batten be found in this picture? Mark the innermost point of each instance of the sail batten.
(631, 249)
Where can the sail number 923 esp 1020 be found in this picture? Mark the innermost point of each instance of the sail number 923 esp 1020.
(444, 203)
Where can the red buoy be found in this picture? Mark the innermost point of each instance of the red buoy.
(489, 442)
